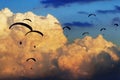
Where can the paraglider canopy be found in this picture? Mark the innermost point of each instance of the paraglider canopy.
(67, 27)
(21, 23)
(31, 59)
(85, 33)
(116, 24)
(91, 15)
(27, 20)
(35, 32)
(102, 29)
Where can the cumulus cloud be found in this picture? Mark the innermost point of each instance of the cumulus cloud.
(79, 24)
(115, 20)
(83, 12)
(112, 11)
(55, 59)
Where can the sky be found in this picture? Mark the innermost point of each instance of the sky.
(74, 13)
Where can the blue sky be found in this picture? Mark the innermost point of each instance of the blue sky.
(74, 13)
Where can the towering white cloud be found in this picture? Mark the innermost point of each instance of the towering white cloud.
(83, 58)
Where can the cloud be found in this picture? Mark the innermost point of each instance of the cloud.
(13, 54)
(82, 12)
(57, 3)
(87, 58)
(117, 7)
(79, 24)
(115, 20)
(107, 11)
(113, 11)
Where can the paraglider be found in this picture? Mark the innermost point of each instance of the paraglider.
(21, 23)
(102, 29)
(34, 46)
(20, 42)
(91, 15)
(93, 18)
(116, 21)
(116, 24)
(35, 31)
(31, 59)
(27, 20)
(67, 27)
(85, 33)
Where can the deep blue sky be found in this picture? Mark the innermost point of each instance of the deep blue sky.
(74, 13)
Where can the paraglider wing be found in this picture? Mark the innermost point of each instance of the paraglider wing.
(21, 23)
(91, 15)
(85, 33)
(67, 27)
(31, 59)
(102, 29)
(34, 31)
(116, 24)
(28, 20)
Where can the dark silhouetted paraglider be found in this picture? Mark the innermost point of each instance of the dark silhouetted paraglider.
(67, 27)
(21, 23)
(85, 33)
(91, 15)
(27, 20)
(102, 29)
(34, 46)
(31, 59)
(35, 32)
(20, 42)
(116, 24)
